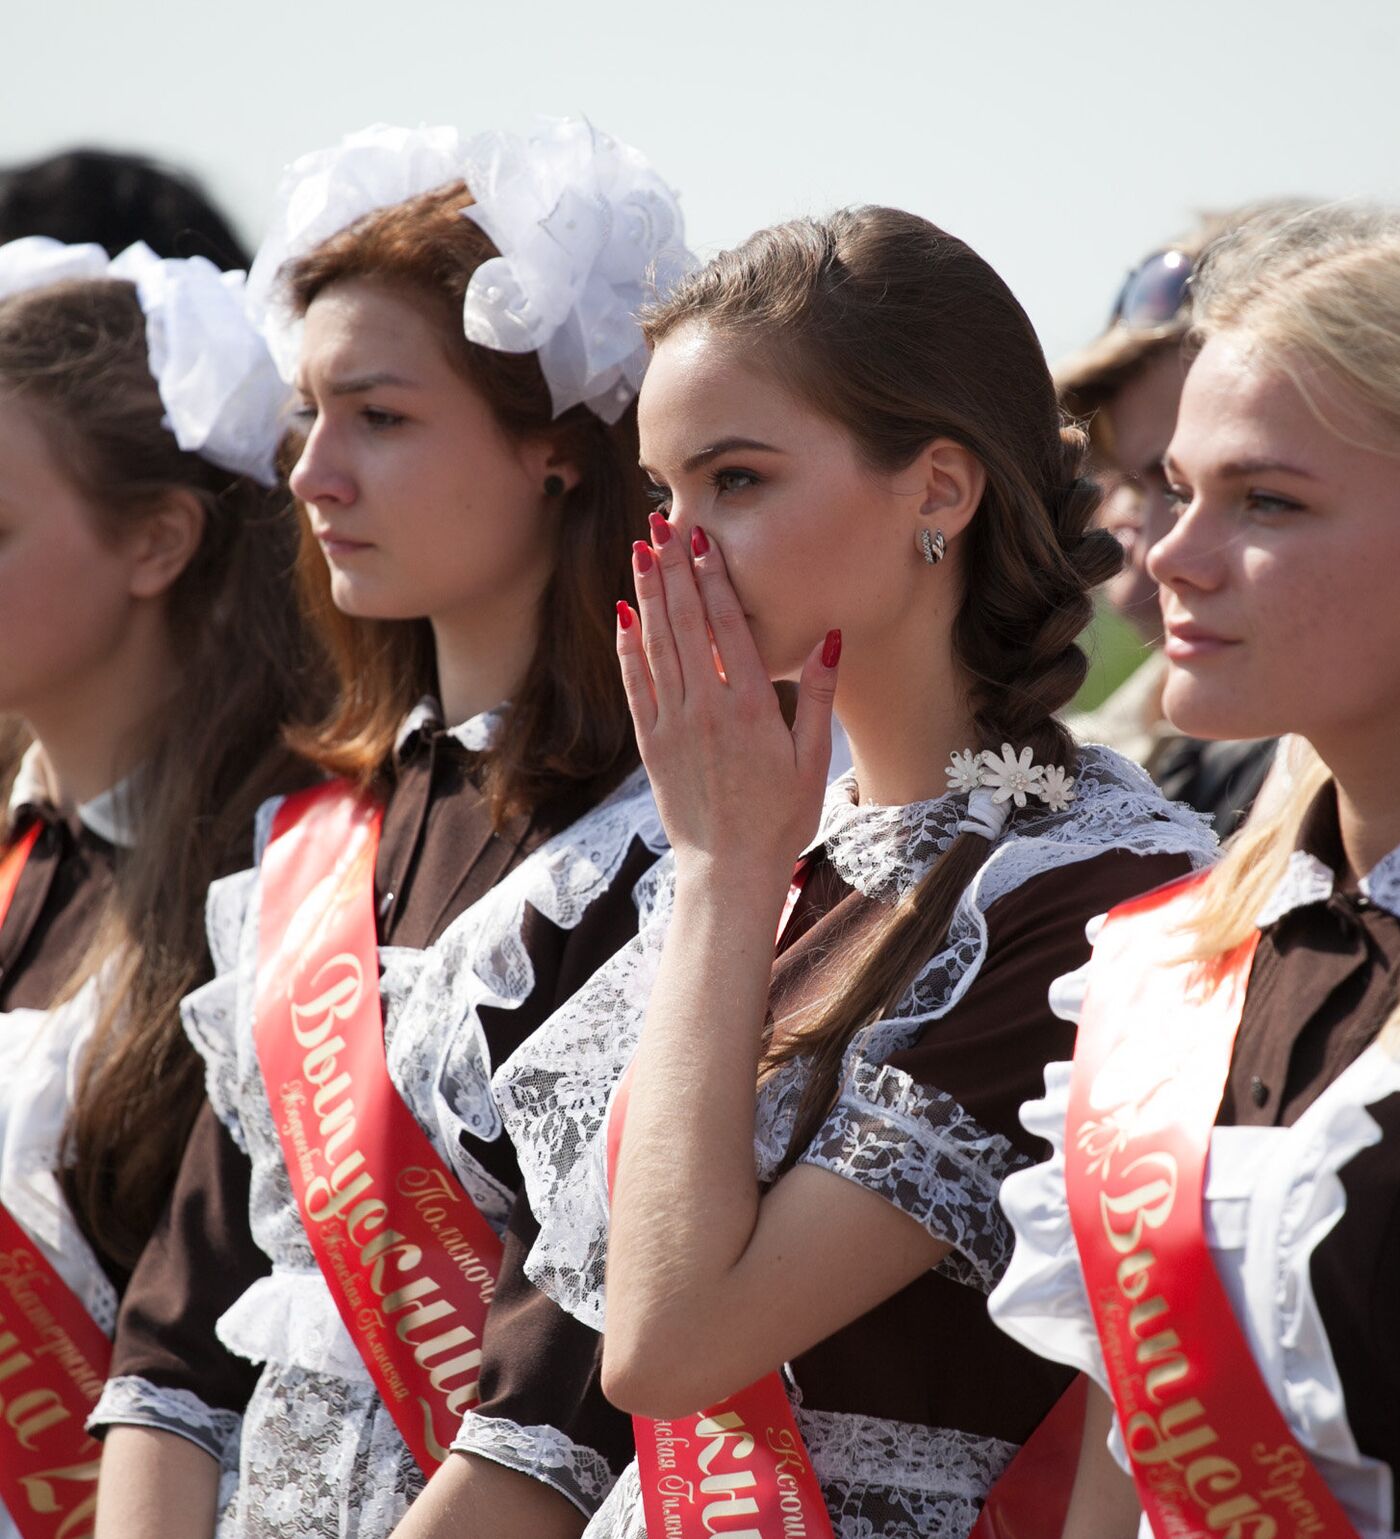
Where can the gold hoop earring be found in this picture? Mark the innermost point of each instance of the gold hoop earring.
(933, 544)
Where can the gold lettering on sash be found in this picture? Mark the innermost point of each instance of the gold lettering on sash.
(726, 1436)
(1177, 1439)
(41, 1490)
(345, 1195)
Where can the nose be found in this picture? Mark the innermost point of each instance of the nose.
(319, 477)
(682, 514)
(1192, 553)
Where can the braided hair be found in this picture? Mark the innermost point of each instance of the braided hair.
(903, 334)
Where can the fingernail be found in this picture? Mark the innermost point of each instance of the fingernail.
(698, 543)
(831, 651)
(624, 614)
(642, 552)
(660, 529)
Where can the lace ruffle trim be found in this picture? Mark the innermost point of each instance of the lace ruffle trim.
(543, 1453)
(924, 1153)
(130, 1401)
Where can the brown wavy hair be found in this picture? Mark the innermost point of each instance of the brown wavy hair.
(568, 731)
(75, 355)
(902, 334)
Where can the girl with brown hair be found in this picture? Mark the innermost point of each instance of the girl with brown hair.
(151, 655)
(459, 320)
(863, 482)
(1214, 1240)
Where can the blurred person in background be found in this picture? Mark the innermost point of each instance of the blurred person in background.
(1126, 386)
(115, 199)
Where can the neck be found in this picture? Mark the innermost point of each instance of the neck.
(1368, 811)
(95, 731)
(903, 717)
(483, 653)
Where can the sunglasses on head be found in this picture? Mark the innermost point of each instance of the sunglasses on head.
(1154, 293)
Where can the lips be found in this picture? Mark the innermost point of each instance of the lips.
(1187, 642)
(336, 545)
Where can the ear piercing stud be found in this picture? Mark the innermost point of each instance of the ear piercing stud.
(933, 544)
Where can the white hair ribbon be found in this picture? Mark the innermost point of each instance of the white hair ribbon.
(582, 223)
(223, 398)
(985, 814)
(585, 228)
(326, 191)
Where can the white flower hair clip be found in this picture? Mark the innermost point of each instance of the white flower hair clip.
(583, 224)
(222, 395)
(995, 783)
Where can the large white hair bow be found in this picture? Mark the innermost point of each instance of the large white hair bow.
(583, 224)
(326, 191)
(223, 397)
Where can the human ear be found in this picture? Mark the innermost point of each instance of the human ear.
(550, 467)
(163, 544)
(949, 480)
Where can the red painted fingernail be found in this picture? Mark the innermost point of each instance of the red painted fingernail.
(642, 552)
(831, 652)
(660, 529)
(624, 614)
(698, 543)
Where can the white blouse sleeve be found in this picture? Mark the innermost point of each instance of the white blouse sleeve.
(1041, 1301)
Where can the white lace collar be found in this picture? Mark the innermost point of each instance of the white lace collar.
(108, 815)
(1310, 879)
(476, 733)
(884, 851)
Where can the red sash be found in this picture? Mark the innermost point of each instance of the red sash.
(1211, 1454)
(12, 864)
(53, 1362)
(1031, 1499)
(408, 1259)
(739, 1469)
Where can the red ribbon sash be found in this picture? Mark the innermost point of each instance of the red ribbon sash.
(53, 1361)
(12, 864)
(1211, 1454)
(1031, 1499)
(409, 1260)
(739, 1469)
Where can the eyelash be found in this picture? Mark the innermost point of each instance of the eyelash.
(374, 417)
(1267, 502)
(1178, 498)
(660, 496)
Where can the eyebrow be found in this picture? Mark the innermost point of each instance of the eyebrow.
(362, 383)
(714, 450)
(1249, 467)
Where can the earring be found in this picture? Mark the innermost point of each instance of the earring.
(553, 486)
(933, 545)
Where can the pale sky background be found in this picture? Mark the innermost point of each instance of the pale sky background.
(1063, 140)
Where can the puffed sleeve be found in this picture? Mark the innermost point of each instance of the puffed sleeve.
(169, 1369)
(933, 1127)
(542, 1410)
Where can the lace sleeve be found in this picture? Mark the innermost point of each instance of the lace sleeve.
(924, 1153)
(135, 1402)
(543, 1453)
